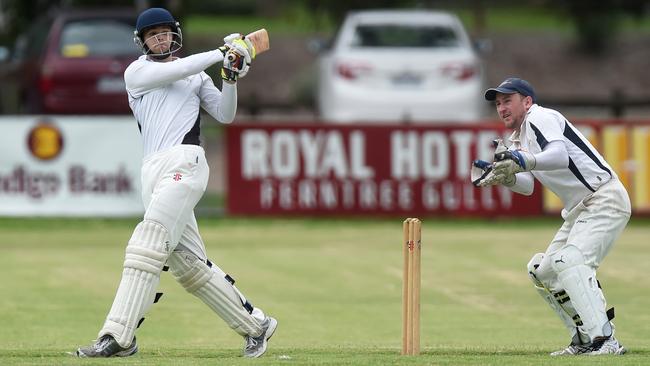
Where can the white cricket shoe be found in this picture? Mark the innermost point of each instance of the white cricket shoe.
(107, 346)
(600, 346)
(609, 347)
(256, 346)
(571, 350)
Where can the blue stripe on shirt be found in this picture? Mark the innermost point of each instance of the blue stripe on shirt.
(574, 169)
(570, 134)
(541, 140)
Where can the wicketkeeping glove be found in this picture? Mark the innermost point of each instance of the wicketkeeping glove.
(481, 169)
(482, 172)
(483, 175)
(511, 162)
(499, 146)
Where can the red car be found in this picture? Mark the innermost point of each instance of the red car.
(73, 62)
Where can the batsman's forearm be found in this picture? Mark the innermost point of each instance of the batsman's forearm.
(524, 184)
(153, 75)
(228, 104)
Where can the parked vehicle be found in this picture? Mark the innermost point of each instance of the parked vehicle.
(400, 65)
(72, 62)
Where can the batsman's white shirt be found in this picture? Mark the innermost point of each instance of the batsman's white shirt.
(587, 170)
(165, 98)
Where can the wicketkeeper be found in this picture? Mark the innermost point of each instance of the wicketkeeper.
(166, 94)
(547, 147)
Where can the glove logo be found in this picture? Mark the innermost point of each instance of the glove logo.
(177, 177)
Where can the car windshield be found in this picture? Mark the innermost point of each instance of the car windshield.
(97, 37)
(391, 35)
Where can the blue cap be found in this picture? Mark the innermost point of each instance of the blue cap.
(511, 86)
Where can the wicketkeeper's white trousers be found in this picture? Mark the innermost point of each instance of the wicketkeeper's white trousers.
(592, 227)
(594, 224)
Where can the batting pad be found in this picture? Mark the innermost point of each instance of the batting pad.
(146, 254)
(211, 285)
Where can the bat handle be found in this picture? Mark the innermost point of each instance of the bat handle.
(236, 60)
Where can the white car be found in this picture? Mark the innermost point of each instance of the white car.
(404, 65)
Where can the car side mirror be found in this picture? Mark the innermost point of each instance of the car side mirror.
(318, 45)
(482, 46)
(4, 54)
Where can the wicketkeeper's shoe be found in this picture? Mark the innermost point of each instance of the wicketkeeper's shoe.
(256, 346)
(609, 346)
(600, 346)
(107, 346)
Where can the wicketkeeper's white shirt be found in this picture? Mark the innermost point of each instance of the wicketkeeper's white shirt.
(587, 169)
(165, 98)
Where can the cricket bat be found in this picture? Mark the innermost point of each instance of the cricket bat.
(260, 41)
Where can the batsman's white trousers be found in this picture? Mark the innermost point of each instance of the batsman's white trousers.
(173, 182)
(592, 226)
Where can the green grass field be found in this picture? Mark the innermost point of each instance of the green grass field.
(334, 286)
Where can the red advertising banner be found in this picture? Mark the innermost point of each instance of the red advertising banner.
(365, 170)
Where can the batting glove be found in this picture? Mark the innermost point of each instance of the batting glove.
(229, 39)
(236, 61)
(513, 161)
(234, 37)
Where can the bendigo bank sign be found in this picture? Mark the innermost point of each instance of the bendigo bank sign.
(343, 170)
(70, 166)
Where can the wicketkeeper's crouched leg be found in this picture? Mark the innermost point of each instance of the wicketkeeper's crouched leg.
(216, 289)
(146, 254)
(545, 281)
(579, 282)
(550, 288)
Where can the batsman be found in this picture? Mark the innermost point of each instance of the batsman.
(545, 146)
(166, 94)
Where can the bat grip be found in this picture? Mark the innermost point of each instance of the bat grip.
(236, 60)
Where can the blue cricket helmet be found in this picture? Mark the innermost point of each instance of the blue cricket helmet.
(153, 17)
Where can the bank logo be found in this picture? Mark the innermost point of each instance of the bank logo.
(45, 141)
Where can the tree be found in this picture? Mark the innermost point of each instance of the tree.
(597, 22)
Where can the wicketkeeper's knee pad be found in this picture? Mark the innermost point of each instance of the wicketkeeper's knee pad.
(532, 266)
(567, 257)
(542, 275)
(215, 289)
(544, 278)
(146, 254)
(579, 282)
